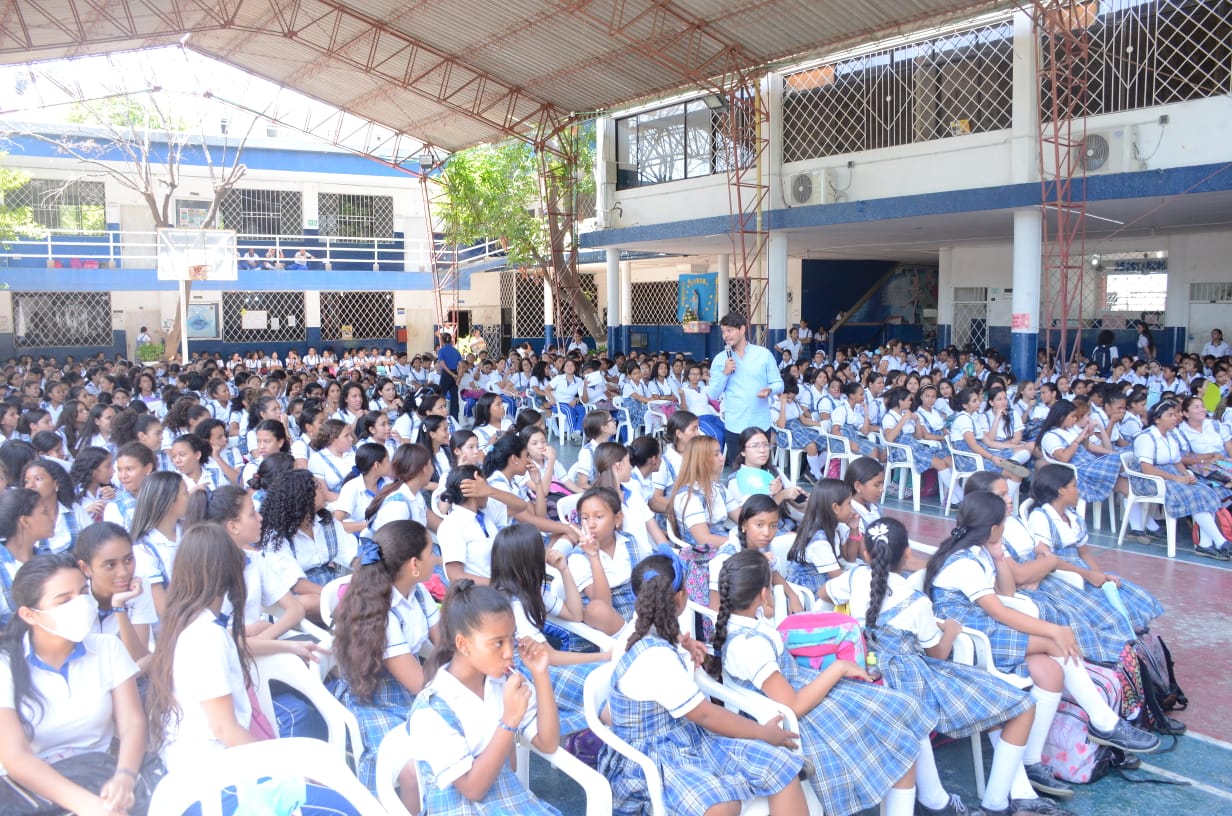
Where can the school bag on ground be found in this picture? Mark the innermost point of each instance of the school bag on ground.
(1154, 678)
(817, 639)
(1068, 753)
(1223, 520)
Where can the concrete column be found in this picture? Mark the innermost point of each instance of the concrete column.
(776, 291)
(722, 286)
(615, 315)
(549, 315)
(1028, 260)
(626, 303)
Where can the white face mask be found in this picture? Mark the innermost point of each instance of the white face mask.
(73, 620)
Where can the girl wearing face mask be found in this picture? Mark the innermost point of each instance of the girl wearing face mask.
(69, 694)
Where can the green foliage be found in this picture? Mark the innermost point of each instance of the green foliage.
(131, 112)
(150, 352)
(14, 221)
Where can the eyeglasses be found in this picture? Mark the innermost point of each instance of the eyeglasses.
(758, 446)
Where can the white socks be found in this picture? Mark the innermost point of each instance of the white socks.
(1046, 703)
(944, 477)
(1014, 487)
(814, 465)
(1208, 530)
(1006, 763)
(900, 802)
(928, 787)
(1082, 688)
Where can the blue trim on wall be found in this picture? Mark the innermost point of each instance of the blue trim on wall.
(774, 337)
(36, 279)
(944, 333)
(1203, 178)
(1023, 346)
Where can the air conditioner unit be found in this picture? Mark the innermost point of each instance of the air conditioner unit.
(1108, 151)
(810, 187)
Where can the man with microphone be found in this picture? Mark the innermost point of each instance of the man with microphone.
(744, 377)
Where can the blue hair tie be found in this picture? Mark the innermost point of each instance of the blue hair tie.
(369, 552)
(678, 566)
(355, 471)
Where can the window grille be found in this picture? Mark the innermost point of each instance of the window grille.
(1116, 290)
(60, 319)
(343, 215)
(653, 303)
(738, 300)
(523, 295)
(970, 327)
(262, 212)
(58, 204)
(1144, 54)
(1211, 292)
(368, 314)
(957, 83)
(675, 142)
(283, 321)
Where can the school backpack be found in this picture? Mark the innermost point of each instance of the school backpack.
(817, 639)
(1223, 520)
(1068, 753)
(1102, 357)
(1160, 691)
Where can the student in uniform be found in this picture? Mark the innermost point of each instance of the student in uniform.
(964, 579)
(520, 571)
(225, 462)
(91, 477)
(104, 553)
(464, 723)
(966, 434)
(374, 427)
(489, 420)
(312, 417)
(55, 490)
(598, 427)
(615, 469)
(1059, 529)
(293, 515)
(367, 478)
(850, 419)
(681, 429)
(568, 395)
(695, 400)
(383, 622)
(699, 511)
(861, 740)
(156, 534)
(66, 696)
(711, 759)
(190, 455)
(901, 425)
(25, 520)
(788, 414)
(827, 538)
(333, 455)
(913, 651)
(756, 528)
(401, 497)
(465, 534)
(133, 463)
(1063, 439)
(507, 472)
(756, 475)
(603, 561)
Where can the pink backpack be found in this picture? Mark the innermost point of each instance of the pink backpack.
(1067, 751)
(817, 639)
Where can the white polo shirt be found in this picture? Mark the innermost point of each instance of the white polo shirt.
(464, 541)
(407, 627)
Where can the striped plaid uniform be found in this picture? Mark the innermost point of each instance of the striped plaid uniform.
(506, 796)
(966, 700)
(1009, 646)
(1097, 475)
(1143, 607)
(126, 503)
(922, 452)
(801, 434)
(568, 687)
(805, 575)
(699, 769)
(698, 579)
(390, 706)
(962, 445)
(863, 444)
(1180, 500)
(860, 739)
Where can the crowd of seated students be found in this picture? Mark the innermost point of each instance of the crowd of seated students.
(164, 526)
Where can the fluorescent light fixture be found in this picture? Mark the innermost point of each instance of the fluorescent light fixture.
(1087, 214)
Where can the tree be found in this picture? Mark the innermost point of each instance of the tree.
(15, 221)
(526, 199)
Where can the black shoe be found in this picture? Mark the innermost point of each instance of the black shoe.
(1044, 807)
(1209, 552)
(1158, 534)
(1126, 737)
(1171, 726)
(955, 807)
(1225, 550)
(1043, 780)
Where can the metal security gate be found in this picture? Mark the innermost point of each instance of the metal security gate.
(970, 317)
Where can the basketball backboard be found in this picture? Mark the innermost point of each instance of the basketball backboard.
(197, 254)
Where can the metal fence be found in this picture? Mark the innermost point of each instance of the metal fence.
(263, 317)
(262, 212)
(355, 216)
(970, 326)
(348, 315)
(653, 303)
(57, 319)
(62, 204)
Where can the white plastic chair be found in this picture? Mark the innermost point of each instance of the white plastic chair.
(791, 451)
(780, 545)
(559, 422)
(839, 447)
(593, 784)
(283, 758)
(1097, 508)
(625, 423)
(965, 464)
(291, 671)
(391, 758)
(605, 642)
(907, 464)
(598, 686)
(331, 594)
(1130, 467)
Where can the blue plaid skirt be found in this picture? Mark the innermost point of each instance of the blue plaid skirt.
(863, 444)
(1097, 475)
(699, 768)
(323, 574)
(505, 797)
(390, 706)
(637, 413)
(805, 575)
(1031, 430)
(860, 739)
(1009, 646)
(922, 452)
(801, 435)
(1143, 607)
(965, 700)
(568, 683)
(1180, 500)
(1100, 637)
(961, 445)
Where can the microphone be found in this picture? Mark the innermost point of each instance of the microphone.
(727, 348)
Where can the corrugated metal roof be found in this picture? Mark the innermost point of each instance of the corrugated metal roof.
(455, 72)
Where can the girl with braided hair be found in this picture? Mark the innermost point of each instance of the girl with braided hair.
(861, 739)
(912, 651)
(708, 756)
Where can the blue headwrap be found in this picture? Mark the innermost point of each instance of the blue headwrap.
(369, 552)
(678, 567)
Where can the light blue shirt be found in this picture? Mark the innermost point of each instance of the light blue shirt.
(755, 370)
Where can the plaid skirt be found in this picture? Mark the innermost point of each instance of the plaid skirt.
(864, 445)
(1097, 475)
(965, 700)
(1180, 500)
(1009, 646)
(801, 435)
(922, 452)
(390, 706)
(699, 768)
(506, 796)
(805, 575)
(961, 445)
(637, 413)
(1100, 637)
(861, 738)
(1031, 430)
(1143, 607)
(568, 683)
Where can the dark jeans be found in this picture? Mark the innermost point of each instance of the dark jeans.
(449, 386)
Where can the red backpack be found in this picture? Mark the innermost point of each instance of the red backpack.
(1223, 520)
